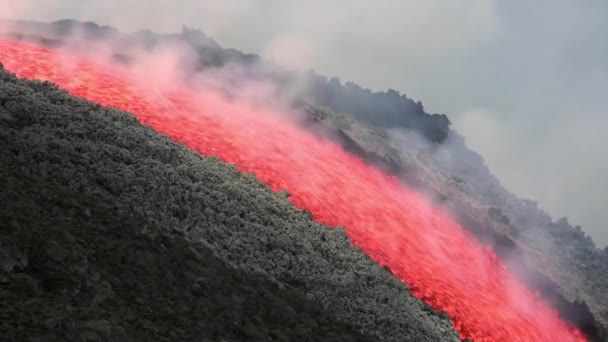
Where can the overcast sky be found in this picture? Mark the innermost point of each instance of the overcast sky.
(522, 80)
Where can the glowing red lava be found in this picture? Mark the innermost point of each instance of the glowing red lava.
(441, 262)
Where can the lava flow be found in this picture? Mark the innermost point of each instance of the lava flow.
(423, 246)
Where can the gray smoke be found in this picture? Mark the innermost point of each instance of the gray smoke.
(522, 81)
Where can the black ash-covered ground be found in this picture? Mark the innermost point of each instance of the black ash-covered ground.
(111, 232)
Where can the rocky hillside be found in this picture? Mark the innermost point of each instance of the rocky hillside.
(395, 133)
(553, 258)
(111, 232)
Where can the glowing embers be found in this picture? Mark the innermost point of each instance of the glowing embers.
(421, 245)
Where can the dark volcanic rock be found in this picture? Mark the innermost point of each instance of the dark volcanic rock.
(110, 232)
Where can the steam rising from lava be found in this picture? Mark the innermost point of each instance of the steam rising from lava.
(421, 245)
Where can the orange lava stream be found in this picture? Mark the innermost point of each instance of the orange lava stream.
(440, 262)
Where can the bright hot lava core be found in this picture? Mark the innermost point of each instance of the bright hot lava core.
(423, 246)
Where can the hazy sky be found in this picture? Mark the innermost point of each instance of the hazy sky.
(522, 80)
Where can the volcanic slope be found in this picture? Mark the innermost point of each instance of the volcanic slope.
(421, 245)
(95, 211)
(556, 259)
(531, 251)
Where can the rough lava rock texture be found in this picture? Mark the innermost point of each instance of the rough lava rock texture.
(111, 232)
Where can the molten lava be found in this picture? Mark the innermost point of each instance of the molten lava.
(440, 262)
